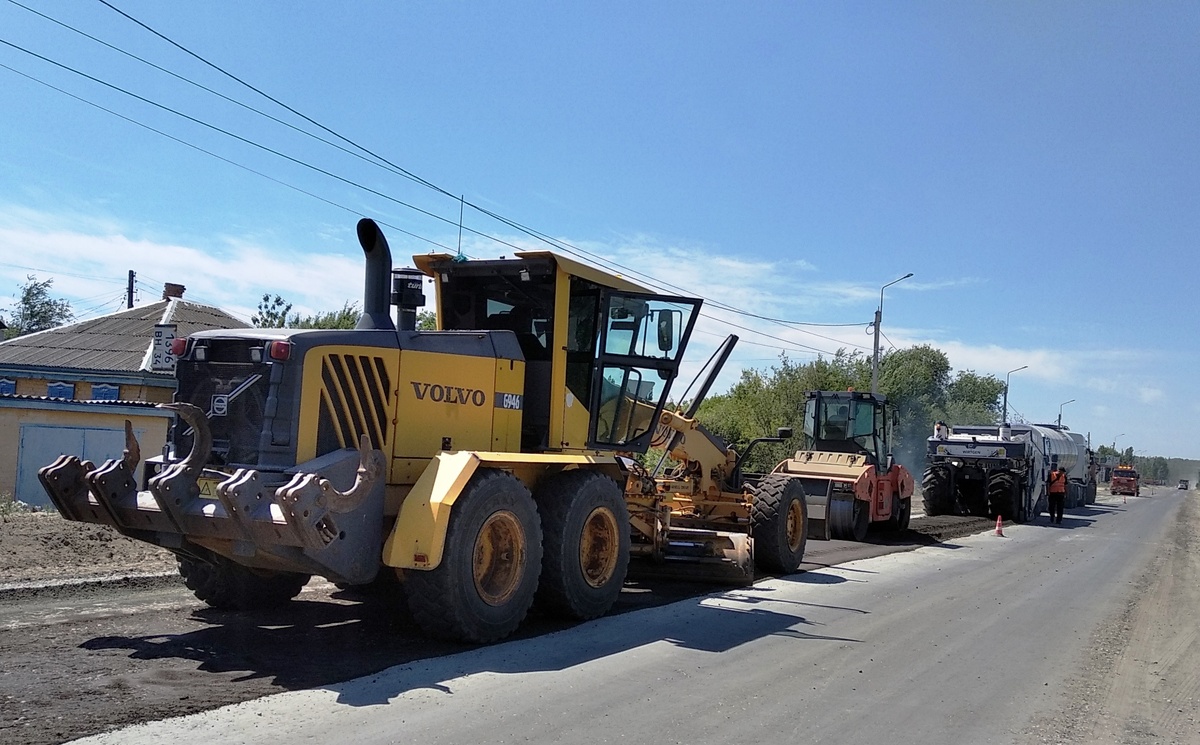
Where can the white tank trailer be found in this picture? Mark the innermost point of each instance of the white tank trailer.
(989, 470)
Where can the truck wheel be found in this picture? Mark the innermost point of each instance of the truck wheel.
(779, 524)
(1002, 495)
(223, 584)
(849, 518)
(585, 551)
(484, 585)
(936, 492)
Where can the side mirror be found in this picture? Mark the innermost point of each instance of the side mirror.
(666, 331)
(784, 433)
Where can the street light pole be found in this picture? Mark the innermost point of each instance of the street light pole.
(1004, 420)
(1060, 407)
(878, 320)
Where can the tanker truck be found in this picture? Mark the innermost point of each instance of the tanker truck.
(990, 471)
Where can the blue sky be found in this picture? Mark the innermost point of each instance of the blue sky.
(1035, 165)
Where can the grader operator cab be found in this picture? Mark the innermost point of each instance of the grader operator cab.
(481, 462)
(847, 471)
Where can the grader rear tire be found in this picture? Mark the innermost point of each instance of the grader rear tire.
(228, 586)
(849, 518)
(585, 554)
(485, 583)
(937, 492)
(779, 524)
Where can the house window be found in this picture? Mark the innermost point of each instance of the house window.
(105, 392)
(8, 387)
(61, 390)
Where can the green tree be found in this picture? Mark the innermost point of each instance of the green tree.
(760, 403)
(346, 318)
(973, 399)
(426, 320)
(35, 310)
(916, 381)
(272, 312)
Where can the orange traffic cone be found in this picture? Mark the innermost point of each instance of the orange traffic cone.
(999, 526)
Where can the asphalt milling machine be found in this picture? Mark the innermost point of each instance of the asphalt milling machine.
(991, 471)
(489, 465)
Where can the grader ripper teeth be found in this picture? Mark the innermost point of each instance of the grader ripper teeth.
(304, 525)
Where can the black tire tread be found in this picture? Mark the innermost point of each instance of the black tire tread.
(768, 516)
(1001, 492)
(936, 492)
(561, 591)
(228, 586)
(436, 598)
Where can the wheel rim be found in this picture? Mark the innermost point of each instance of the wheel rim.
(599, 547)
(499, 558)
(795, 525)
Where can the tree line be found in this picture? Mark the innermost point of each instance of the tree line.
(917, 382)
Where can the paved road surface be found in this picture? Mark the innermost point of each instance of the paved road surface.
(975, 641)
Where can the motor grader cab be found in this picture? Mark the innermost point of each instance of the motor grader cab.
(481, 462)
(846, 469)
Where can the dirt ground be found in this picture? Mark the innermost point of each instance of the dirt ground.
(41, 546)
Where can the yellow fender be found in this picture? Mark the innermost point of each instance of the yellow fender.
(419, 535)
(417, 539)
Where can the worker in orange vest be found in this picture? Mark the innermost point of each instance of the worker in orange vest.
(1058, 494)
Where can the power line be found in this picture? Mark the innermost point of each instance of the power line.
(511, 223)
(58, 273)
(274, 100)
(222, 96)
(408, 174)
(212, 154)
(227, 133)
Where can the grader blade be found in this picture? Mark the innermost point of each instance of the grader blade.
(708, 556)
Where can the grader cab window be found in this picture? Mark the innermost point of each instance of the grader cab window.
(503, 300)
(642, 337)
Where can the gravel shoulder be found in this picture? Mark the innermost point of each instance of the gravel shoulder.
(1141, 681)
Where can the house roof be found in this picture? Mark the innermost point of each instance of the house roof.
(118, 342)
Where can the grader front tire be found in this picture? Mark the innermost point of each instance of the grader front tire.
(228, 586)
(779, 524)
(485, 584)
(585, 529)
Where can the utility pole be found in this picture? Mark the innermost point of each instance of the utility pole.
(1060, 408)
(1004, 419)
(878, 320)
(129, 290)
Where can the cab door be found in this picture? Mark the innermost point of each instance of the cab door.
(642, 340)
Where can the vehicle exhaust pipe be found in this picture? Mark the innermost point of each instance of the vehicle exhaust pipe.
(377, 291)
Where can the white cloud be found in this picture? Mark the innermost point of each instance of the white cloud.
(233, 273)
(1150, 394)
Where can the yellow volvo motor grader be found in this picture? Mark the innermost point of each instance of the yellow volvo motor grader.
(482, 462)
